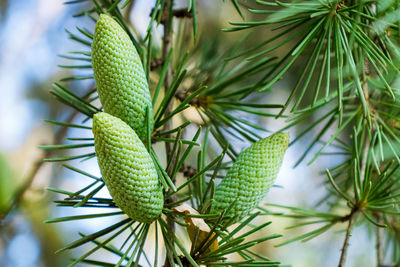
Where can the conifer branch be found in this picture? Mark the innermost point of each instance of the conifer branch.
(352, 89)
(166, 47)
(177, 13)
(378, 244)
(366, 149)
(347, 237)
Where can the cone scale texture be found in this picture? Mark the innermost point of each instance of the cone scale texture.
(251, 176)
(120, 78)
(127, 168)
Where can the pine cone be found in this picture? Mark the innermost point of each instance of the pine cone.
(251, 176)
(127, 168)
(120, 78)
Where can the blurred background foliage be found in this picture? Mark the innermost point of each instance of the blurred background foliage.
(32, 34)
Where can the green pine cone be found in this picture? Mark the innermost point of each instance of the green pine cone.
(120, 78)
(127, 168)
(251, 176)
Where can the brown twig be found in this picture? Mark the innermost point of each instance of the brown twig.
(347, 237)
(378, 245)
(188, 171)
(166, 47)
(358, 206)
(167, 44)
(182, 13)
(177, 13)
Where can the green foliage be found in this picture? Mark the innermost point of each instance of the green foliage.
(344, 99)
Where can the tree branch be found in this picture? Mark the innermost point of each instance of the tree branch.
(167, 44)
(347, 237)
(166, 47)
(354, 210)
(363, 167)
(378, 246)
(177, 13)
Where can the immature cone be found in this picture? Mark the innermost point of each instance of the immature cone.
(250, 177)
(127, 168)
(120, 78)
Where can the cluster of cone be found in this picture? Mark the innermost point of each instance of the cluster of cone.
(119, 132)
(127, 168)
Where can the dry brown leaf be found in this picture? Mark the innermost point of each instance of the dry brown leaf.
(197, 223)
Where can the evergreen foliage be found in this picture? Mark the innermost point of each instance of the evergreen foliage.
(348, 88)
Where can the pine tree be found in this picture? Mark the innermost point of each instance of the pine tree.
(345, 96)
